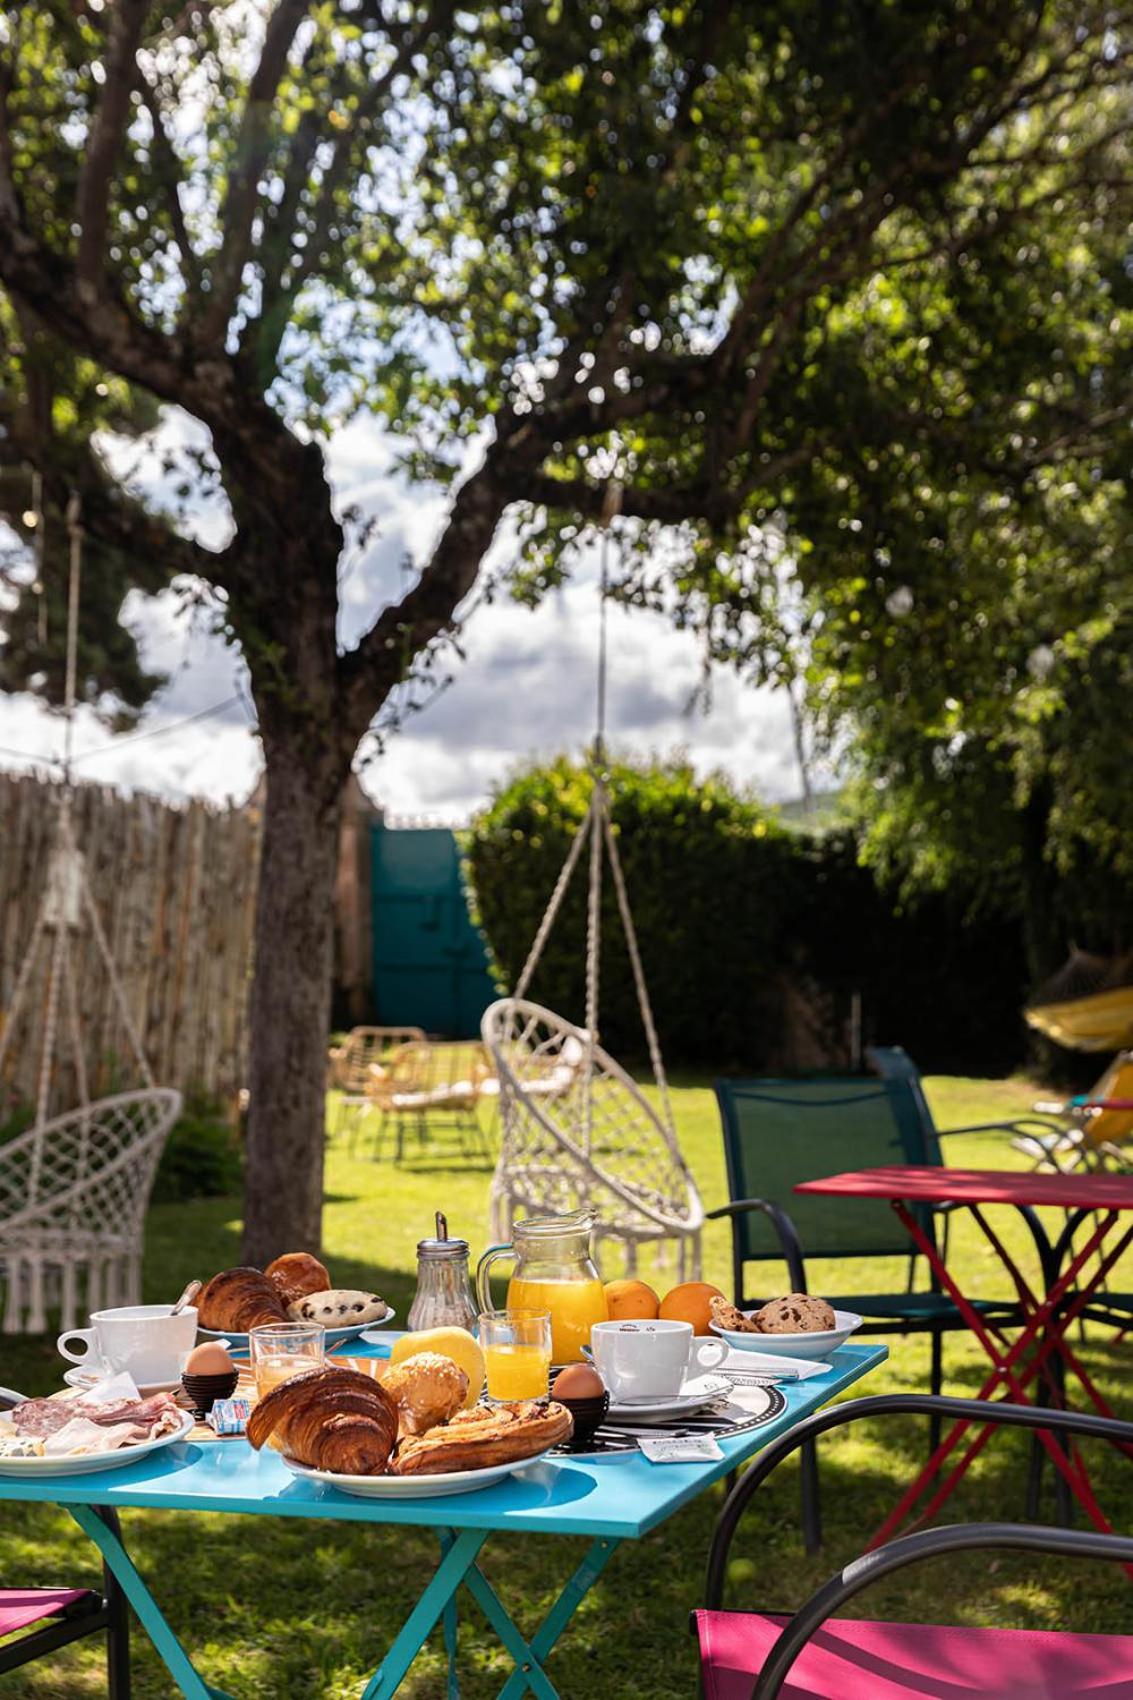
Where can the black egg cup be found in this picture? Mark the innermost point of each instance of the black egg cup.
(204, 1390)
(589, 1415)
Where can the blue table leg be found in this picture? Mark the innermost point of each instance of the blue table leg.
(121, 1566)
(527, 1665)
(556, 1620)
(447, 1537)
(450, 1573)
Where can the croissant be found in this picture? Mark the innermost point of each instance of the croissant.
(476, 1439)
(239, 1299)
(329, 1419)
(297, 1274)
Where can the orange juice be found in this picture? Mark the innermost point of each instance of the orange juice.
(574, 1307)
(517, 1371)
(271, 1371)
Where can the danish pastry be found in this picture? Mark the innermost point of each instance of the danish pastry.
(476, 1439)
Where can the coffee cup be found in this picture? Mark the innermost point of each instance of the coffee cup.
(650, 1360)
(147, 1341)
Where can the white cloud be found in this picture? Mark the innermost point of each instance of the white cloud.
(527, 688)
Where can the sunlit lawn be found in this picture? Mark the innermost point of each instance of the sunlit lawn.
(282, 1608)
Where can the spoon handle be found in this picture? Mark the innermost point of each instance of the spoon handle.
(187, 1297)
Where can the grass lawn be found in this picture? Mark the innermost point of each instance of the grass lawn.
(282, 1608)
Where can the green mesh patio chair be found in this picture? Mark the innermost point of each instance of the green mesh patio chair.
(780, 1132)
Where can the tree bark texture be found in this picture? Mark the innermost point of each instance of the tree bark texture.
(290, 1009)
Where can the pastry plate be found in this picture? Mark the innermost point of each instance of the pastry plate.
(693, 1395)
(412, 1487)
(89, 1463)
(818, 1344)
(334, 1336)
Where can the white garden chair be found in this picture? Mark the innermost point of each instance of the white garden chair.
(73, 1196)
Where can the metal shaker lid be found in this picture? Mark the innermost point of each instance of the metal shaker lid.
(442, 1246)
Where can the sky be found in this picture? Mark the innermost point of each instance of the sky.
(526, 688)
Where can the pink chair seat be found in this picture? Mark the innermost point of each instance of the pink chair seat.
(21, 1607)
(897, 1661)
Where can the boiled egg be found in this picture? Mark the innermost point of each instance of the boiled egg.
(209, 1358)
(578, 1381)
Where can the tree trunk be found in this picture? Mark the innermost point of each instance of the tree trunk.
(290, 1007)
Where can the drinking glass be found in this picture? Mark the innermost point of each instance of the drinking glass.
(517, 1353)
(280, 1350)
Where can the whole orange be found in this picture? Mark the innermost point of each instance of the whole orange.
(690, 1303)
(628, 1298)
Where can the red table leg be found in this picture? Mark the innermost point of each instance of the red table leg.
(1045, 1329)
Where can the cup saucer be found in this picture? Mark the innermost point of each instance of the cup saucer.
(85, 1379)
(697, 1391)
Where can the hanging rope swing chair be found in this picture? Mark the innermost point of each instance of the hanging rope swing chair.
(576, 1129)
(73, 1187)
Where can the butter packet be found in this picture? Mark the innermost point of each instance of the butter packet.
(230, 1416)
(681, 1449)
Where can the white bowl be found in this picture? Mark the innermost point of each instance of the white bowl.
(817, 1345)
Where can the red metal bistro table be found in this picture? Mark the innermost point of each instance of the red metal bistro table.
(1042, 1347)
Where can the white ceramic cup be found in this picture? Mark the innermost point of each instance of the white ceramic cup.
(147, 1340)
(650, 1360)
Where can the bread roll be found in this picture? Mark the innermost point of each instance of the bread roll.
(296, 1274)
(427, 1389)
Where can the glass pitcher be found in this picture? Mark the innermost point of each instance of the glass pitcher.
(553, 1272)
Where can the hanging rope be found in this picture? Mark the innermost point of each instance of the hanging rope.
(554, 905)
(639, 975)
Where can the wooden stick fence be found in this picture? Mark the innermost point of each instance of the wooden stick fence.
(175, 889)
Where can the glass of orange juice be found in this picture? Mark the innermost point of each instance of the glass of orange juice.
(280, 1350)
(517, 1353)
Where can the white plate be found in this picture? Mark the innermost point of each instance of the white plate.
(88, 1464)
(817, 1345)
(700, 1391)
(412, 1487)
(334, 1336)
(84, 1378)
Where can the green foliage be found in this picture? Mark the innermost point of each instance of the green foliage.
(203, 1157)
(739, 921)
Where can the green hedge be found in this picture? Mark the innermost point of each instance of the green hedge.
(736, 915)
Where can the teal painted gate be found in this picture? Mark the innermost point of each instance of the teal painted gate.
(430, 963)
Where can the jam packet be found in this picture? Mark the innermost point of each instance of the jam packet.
(681, 1449)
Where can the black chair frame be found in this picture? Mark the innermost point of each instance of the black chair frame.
(924, 1543)
(92, 1615)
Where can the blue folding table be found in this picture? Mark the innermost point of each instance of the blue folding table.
(612, 1500)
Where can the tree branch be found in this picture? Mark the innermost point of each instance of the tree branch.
(253, 143)
(279, 287)
(171, 173)
(92, 202)
(384, 655)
